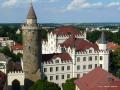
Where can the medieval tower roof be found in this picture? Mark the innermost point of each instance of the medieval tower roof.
(31, 13)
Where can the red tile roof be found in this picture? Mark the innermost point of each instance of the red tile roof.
(112, 46)
(66, 30)
(17, 46)
(80, 44)
(98, 79)
(49, 57)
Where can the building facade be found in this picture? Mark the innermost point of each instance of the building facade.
(72, 57)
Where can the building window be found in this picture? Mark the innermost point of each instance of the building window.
(57, 77)
(51, 78)
(95, 57)
(78, 75)
(68, 67)
(101, 65)
(101, 58)
(90, 51)
(45, 69)
(78, 59)
(57, 61)
(63, 49)
(62, 76)
(84, 67)
(90, 66)
(84, 58)
(62, 68)
(90, 58)
(57, 68)
(78, 67)
(68, 75)
(51, 69)
(95, 65)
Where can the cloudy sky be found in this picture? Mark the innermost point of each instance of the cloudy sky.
(61, 11)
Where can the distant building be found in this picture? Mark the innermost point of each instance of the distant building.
(5, 41)
(98, 79)
(17, 48)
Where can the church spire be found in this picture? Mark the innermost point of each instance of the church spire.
(31, 13)
(102, 39)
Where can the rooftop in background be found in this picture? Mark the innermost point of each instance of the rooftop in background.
(98, 79)
(112, 46)
(66, 30)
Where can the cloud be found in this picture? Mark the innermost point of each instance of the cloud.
(84, 4)
(76, 4)
(9, 3)
(52, 1)
(113, 4)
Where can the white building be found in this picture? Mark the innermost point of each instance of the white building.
(55, 38)
(5, 41)
(71, 55)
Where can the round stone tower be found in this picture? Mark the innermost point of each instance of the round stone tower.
(31, 48)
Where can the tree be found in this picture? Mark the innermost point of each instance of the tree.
(115, 62)
(44, 85)
(93, 36)
(69, 84)
(7, 52)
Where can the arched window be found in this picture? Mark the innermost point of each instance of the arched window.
(15, 85)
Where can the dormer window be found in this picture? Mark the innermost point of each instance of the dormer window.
(90, 51)
(57, 61)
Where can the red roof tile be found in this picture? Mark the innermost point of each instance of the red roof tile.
(66, 30)
(112, 46)
(17, 46)
(80, 44)
(98, 79)
(63, 56)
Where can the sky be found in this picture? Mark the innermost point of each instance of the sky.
(61, 11)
